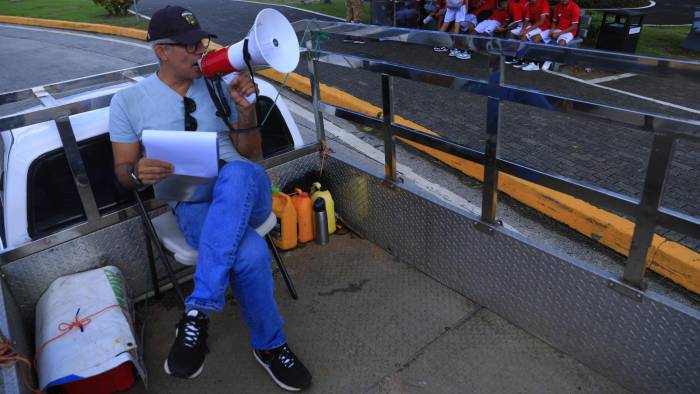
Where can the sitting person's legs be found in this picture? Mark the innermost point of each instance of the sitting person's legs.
(242, 198)
(231, 251)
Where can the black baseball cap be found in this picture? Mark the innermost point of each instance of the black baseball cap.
(176, 23)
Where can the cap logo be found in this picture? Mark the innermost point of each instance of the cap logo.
(189, 18)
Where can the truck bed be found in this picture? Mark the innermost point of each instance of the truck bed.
(366, 322)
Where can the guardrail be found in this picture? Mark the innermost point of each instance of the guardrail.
(666, 130)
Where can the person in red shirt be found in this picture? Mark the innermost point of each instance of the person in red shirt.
(516, 15)
(565, 21)
(496, 21)
(536, 22)
(535, 28)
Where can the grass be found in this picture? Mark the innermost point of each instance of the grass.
(662, 41)
(334, 8)
(68, 10)
(665, 41)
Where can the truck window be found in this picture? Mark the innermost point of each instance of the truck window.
(53, 202)
(275, 133)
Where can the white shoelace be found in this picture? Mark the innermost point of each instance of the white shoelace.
(191, 334)
(285, 359)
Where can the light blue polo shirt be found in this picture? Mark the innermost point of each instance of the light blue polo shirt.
(150, 104)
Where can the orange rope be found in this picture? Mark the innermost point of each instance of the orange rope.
(65, 328)
(324, 155)
(10, 357)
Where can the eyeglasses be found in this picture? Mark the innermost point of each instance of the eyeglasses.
(191, 48)
(190, 121)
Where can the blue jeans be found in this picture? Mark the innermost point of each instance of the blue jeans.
(230, 251)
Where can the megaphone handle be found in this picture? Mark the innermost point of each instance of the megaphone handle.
(250, 97)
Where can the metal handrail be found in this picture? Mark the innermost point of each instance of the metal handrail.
(665, 129)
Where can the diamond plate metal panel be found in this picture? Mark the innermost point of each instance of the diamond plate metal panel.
(652, 346)
(122, 245)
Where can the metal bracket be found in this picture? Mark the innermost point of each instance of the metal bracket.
(45, 97)
(487, 228)
(626, 290)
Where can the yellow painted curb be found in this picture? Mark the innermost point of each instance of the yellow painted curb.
(80, 26)
(668, 258)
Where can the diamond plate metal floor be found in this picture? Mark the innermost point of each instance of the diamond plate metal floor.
(366, 322)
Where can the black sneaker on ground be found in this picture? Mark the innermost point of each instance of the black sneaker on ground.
(186, 358)
(440, 49)
(284, 367)
(348, 39)
(358, 41)
(510, 60)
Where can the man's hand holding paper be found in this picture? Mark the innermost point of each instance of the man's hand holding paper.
(150, 171)
(181, 153)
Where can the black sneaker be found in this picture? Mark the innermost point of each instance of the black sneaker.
(186, 358)
(358, 41)
(284, 368)
(348, 39)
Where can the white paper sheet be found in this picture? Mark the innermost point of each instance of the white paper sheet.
(191, 153)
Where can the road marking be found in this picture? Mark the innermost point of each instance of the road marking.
(611, 78)
(653, 100)
(133, 44)
(289, 6)
(376, 155)
(651, 4)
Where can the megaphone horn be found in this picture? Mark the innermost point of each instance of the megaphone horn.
(271, 42)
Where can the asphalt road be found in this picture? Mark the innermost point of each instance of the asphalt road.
(671, 12)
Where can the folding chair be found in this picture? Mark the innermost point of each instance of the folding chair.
(165, 231)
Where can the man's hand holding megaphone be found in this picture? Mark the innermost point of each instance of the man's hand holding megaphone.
(239, 88)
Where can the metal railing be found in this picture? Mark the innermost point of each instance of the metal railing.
(666, 130)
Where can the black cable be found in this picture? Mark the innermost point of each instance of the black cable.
(246, 59)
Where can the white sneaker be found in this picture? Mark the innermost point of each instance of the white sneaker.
(454, 52)
(531, 67)
(463, 55)
(546, 65)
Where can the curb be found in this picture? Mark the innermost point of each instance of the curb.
(666, 257)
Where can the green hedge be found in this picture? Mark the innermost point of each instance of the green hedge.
(611, 3)
(115, 7)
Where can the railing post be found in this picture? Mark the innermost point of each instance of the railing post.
(388, 116)
(315, 94)
(77, 168)
(493, 115)
(645, 223)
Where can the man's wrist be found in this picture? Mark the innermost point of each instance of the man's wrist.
(133, 174)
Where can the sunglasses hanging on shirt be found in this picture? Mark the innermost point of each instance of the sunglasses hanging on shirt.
(190, 121)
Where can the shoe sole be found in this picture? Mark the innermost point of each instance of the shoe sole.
(194, 375)
(269, 372)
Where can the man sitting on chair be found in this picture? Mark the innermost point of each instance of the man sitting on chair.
(223, 230)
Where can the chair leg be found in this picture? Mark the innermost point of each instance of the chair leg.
(283, 270)
(151, 231)
(152, 263)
